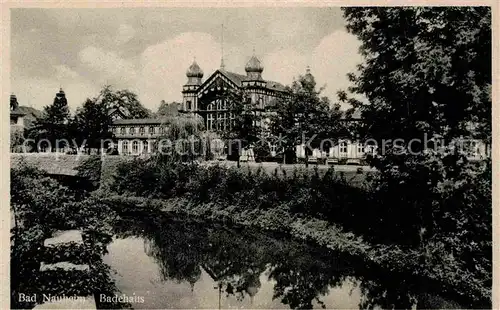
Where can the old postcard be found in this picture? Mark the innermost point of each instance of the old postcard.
(249, 155)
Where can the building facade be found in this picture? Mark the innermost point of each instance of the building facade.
(202, 98)
(137, 136)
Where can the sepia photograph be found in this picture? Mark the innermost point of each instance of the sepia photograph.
(250, 157)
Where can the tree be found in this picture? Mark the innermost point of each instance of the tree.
(168, 109)
(91, 124)
(427, 71)
(303, 117)
(53, 124)
(123, 99)
(93, 119)
(243, 128)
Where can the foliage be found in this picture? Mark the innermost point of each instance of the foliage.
(40, 206)
(427, 76)
(38, 200)
(90, 169)
(53, 124)
(91, 124)
(123, 100)
(303, 115)
(244, 129)
(16, 139)
(167, 109)
(185, 137)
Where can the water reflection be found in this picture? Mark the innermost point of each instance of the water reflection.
(181, 264)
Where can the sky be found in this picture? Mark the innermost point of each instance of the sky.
(148, 50)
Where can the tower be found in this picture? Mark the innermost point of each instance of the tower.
(308, 81)
(254, 69)
(60, 98)
(254, 84)
(195, 76)
(13, 102)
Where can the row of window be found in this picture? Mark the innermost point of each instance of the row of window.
(142, 130)
(220, 120)
(220, 104)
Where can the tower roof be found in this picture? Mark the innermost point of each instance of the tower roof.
(254, 65)
(308, 76)
(194, 70)
(61, 92)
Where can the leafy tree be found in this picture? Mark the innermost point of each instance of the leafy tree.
(427, 71)
(303, 117)
(167, 109)
(123, 100)
(16, 139)
(186, 134)
(91, 124)
(244, 124)
(53, 124)
(93, 119)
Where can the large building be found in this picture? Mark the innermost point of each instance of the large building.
(202, 97)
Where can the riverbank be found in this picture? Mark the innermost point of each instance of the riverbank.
(443, 274)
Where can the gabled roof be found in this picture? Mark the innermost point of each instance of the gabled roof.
(30, 111)
(239, 78)
(234, 77)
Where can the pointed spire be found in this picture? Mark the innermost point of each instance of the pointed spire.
(222, 66)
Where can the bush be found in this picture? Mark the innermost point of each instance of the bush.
(90, 169)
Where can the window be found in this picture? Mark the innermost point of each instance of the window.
(210, 119)
(219, 121)
(141, 131)
(131, 131)
(145, 147)
(113, 130)
(188, 104)
(232, 120)
(122, 130)
(135, 147)
(151, 130)
(124, 146)
(343, 147)
(162, 130)
(361, 149)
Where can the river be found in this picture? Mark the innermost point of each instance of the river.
(162, 262)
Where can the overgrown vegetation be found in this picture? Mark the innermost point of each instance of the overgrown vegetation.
(40, 206)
